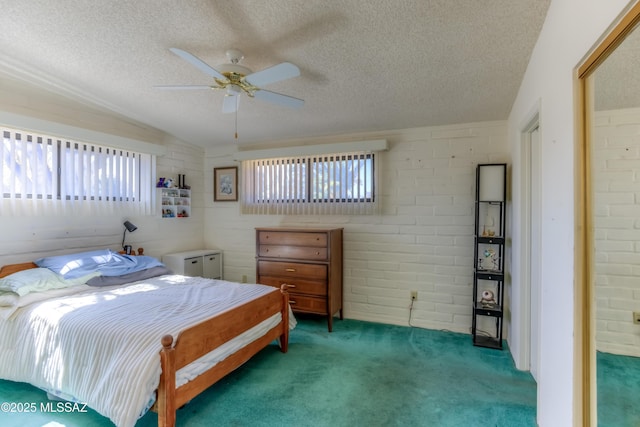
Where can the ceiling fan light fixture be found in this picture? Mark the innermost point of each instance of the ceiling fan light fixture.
(233, 90)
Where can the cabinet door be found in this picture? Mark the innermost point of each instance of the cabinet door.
(193, 266)
(212, 266)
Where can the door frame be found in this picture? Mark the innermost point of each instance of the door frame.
(524, 304)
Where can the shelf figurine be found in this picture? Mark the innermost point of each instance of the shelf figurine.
(488, 299)
(490, 255)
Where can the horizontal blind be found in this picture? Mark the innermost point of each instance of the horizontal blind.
(342, 183)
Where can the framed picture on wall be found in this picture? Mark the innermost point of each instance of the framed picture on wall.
(225, 184)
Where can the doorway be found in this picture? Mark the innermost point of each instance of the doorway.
(530, 162)
(534, 232)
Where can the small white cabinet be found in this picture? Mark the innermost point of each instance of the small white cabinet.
(199, 263)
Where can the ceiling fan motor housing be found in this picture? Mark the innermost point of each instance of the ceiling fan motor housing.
(238, 69)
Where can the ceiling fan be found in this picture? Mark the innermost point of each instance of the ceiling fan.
(236, 79)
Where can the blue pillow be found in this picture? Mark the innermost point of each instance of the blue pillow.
(76, 265)
(105, 261)
(119, 264)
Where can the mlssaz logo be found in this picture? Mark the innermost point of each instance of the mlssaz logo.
(63, 407)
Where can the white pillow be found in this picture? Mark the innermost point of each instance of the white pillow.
(38, 280)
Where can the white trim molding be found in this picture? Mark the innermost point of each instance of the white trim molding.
(309, 150)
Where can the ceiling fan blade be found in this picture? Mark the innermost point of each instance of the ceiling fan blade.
(278, 98)
(279, 72)
(184, 87)
(230, 103)
(198, 63)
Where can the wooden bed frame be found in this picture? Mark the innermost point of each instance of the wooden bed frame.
(198, 340)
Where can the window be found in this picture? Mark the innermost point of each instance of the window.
(333, 183)
(40, 172)
(342, 178)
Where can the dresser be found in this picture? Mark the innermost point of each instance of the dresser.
(309, 261)
(199, 263)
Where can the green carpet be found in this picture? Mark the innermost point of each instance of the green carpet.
(362, 374)
(618, 380)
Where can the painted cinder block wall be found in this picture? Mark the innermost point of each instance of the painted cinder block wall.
(422, 240)
(616, 181)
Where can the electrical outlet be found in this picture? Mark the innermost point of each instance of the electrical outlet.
(244, 278)
(414, 295)
(636, 317)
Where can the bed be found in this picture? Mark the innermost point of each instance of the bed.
(126, 348)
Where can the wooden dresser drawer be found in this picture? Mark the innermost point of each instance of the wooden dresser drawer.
(294, 252)
(308, 304)
(292, 238)
(292, 269)
(297, 285)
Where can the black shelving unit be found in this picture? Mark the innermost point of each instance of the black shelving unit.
(489, 250)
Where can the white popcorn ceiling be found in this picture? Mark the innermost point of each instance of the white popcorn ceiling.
(365, 65)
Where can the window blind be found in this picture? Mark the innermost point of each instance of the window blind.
(344, 183)
(47, 175)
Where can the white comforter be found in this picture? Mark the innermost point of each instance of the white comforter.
(100, 346)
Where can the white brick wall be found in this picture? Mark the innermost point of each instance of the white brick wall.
(423, 240)
(616, 163)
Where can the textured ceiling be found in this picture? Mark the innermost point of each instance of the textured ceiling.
(365, 66)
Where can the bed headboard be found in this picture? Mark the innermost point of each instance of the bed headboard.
(14, 268)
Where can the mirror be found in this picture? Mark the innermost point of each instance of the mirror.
(615, 170)
(610, 85)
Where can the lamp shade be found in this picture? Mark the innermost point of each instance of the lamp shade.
(130, 227)
(492, 180)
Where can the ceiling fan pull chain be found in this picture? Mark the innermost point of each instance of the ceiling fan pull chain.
(236, 118)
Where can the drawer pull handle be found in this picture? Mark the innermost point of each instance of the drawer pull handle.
(317, 253)
(194, 261)
(291, 270)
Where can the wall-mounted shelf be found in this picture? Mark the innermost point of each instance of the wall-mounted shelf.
(175, 202)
